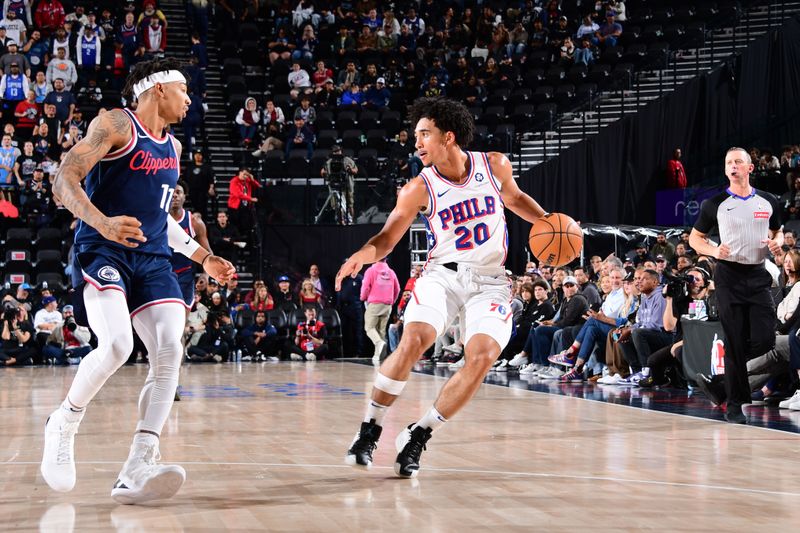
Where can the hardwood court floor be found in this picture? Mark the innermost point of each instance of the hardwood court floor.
(263, 446)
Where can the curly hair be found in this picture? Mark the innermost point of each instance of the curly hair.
(447, 114)
(145, 69)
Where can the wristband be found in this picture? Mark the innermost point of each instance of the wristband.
(203, 262)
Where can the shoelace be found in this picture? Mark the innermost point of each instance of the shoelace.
(365, 443)
(415, 449)
(65, 434)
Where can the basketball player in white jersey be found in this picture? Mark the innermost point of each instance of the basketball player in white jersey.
(461, 196)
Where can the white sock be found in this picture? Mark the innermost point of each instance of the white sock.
(646, 371)
(376, 412)
(433, 419)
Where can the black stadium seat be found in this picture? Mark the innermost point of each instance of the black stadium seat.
(49, 261)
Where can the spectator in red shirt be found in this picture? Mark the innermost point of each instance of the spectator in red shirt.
(27, 113)
(676, 175)
(49, 16)
(263, 300)
(309, 339)
(242, 200)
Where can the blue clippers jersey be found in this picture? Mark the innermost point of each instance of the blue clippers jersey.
(180, 263)
(138, 181)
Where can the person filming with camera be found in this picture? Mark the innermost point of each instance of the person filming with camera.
(309, 338)
(685, 294)
(69, 343)
(339, 171)
(17, 346)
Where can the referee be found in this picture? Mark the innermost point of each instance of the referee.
(749, 228)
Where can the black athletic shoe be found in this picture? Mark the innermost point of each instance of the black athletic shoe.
(365, 442)
(734, 414)
(714, 391)
(410, 444)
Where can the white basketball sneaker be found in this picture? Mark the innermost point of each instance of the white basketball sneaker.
(142, 479)
(58, 459)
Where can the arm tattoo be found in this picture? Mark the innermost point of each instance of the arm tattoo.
(79, 162)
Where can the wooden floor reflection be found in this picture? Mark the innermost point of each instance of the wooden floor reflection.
(263, 447)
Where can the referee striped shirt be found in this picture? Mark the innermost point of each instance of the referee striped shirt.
(743, 222)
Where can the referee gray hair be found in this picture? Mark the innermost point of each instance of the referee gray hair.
(738, 149)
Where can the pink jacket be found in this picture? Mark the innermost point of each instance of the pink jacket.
(380, 285)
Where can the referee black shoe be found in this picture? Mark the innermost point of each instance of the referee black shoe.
(713, 390)
(410, 443)
(734, 414)
(364, 443)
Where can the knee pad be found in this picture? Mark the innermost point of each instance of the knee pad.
(388, 385)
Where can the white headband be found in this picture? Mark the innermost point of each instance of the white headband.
(165, 76)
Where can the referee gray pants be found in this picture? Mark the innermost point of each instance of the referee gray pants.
(747, 316)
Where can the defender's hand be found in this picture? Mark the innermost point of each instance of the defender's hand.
(218, 268)
(122, 229)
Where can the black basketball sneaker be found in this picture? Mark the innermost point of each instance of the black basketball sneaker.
(365, 442)
(410, 443)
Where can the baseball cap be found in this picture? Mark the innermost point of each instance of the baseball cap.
(39, 168)
(67, 308)
(283, 278)
(47, 299)
(328, 80)
(660, 257)
(336, 148)
(570, 280)
(26, 286)
(628, 276)
(212, 281)
(381, 80)
(11, 42)
(14, 63)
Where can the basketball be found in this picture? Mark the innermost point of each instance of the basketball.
(555, 239)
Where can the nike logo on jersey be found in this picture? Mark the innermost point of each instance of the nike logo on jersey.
(440, 194)
(730, 208)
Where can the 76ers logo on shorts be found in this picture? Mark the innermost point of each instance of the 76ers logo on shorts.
(108, 273)
(502, 309)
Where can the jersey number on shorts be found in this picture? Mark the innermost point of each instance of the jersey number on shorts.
(166, 197)
(480, 234)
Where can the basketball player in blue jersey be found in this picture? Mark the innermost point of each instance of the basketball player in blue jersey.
(182, 265)
(461, 196)
(195, 228)
(122, 276)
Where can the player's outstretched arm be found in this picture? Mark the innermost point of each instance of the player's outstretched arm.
(218, 268)
(513, 197)
(412, 199)
(107, 132)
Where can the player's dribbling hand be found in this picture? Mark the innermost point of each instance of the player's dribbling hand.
(122, 229)
(351, 267)
(723, 251)
(220, 269)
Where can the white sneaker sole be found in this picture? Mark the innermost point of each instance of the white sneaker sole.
(350, 460)
(161, 487)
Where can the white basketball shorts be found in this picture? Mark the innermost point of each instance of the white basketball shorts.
(479, 296)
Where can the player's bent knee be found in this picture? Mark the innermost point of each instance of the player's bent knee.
(121, 347)
(480, 361)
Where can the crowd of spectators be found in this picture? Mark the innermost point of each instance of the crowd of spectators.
(367, 56)
(63, 62)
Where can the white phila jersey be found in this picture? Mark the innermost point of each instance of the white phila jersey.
(466, 223)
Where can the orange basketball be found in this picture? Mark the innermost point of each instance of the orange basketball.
(555, 239)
